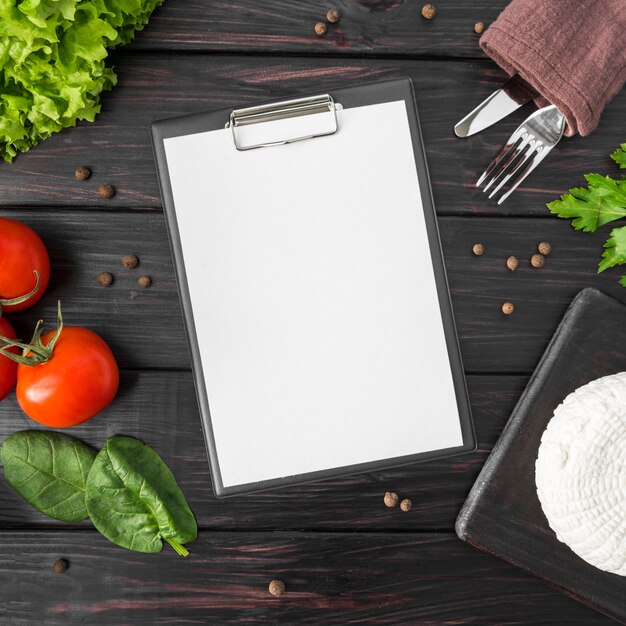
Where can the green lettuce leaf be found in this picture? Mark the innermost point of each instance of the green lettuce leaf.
(52, 63)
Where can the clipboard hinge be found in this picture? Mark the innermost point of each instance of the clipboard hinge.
(323, 104)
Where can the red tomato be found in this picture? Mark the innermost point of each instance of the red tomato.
(21, 253)
(8, 368)
(79, 380)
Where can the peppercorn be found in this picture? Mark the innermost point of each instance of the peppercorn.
(479, 27)
(508, 308)
(106, 191)
(105, 279)
(512, 263)
(60, 566)
(277, 588)
(130, 261)
(333, 16)
(144, 281)
(82, 173)
(537, 260)
(320, 29)
(391, 499)
(478, 249)
(544, 248)
(429, 11)
(406, 505)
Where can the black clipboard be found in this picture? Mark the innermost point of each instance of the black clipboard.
(234, 120)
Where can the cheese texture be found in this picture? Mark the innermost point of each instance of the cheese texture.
(581, 473)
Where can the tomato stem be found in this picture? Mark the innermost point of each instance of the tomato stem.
(21, 299)
(181, 550)
(33, 353)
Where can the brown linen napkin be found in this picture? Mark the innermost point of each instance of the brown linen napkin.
(572, 52)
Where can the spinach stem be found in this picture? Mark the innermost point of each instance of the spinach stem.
(177, 547)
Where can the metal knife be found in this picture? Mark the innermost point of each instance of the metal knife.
(510, 97)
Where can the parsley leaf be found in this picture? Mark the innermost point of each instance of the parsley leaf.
(614, 249)
(603, 201)
(619, 156)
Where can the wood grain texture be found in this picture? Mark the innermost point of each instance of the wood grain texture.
(160, 408)
(200, 55)
(367, 27)
(145, 329)
(155, 86)
(342, 578)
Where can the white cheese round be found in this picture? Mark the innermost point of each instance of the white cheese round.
(581, 473)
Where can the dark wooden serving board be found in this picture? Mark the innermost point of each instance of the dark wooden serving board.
(502, 514)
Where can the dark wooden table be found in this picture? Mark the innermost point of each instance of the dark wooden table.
(343, 555)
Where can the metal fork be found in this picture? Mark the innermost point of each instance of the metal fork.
(525, 149)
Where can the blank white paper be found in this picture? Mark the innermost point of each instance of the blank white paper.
(314, 297)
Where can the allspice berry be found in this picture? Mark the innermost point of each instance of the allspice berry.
(333, 16)
(406, 505)
(130, 261)
(105, 279)
(508, 308)
(82, 173)
(277, 588)
(537, 260)
(478, 249)
(429, 11)
(391, 499)
(479, 27)
(320, 29)
(106, 191)
(544, 248)
(512, 263)
(60, 566)
(144, 281)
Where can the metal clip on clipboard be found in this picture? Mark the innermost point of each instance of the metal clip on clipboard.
(316, 105)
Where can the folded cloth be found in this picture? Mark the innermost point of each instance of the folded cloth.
(571, 52)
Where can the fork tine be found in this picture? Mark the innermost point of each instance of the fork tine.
(508, 146)
(529, 168)
(510, 161)
(540, 132)
(533, 148)
(496, 161)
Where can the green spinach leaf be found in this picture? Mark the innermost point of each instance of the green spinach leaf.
(134, 501)
(49, 470)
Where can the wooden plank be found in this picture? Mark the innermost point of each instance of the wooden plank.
(491, 341)
(335, 578)
(144, 326)
(160, 408)
(154, 86)
(368, 27)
